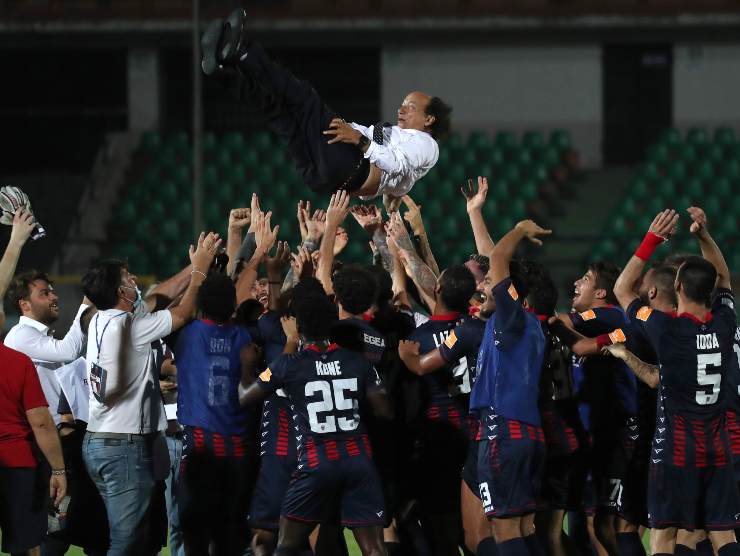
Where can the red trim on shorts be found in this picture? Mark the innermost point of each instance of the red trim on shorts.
(454, 416)
(219, 445)
(237, 446)
(352, 448)
(700, 458)
(281, 448)
(368, 446)
(679, 443)
(733, 428)
(313, 456)
(198, 439)
(330, 448)
(515, 430)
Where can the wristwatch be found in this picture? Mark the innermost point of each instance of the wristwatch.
(363, 142)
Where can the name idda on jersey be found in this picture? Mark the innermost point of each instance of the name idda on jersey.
(706, 341)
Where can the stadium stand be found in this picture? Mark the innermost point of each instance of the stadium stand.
(700, 167)
(529, 176)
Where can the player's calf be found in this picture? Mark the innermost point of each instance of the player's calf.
(370, 541)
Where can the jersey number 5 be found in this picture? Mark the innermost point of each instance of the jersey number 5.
(708, 371)
(333, 397)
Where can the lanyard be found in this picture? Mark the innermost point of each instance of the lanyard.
(99, 341)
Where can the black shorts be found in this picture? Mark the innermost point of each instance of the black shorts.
(346, 491)
(269, 491)
(563, 481)
(23, 508)
(633, 507)
(610, 459)
(510, 467)
(444, 450)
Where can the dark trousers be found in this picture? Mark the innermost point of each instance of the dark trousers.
(296, 113)
(213, 497)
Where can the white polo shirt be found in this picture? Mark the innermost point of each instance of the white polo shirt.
(47, 353)
(120, 342)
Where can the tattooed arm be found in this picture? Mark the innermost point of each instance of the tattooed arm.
(647, 373)
(369, 217)
(314, 226)
(413, 217)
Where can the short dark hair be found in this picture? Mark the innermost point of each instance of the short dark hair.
(543, 294)
(518, 275)
(664, 280)
(101, 282)
(20, 287)
(315, 315)
(441, 112)
(355, 288)
(675, 260)
(483, 262)
(697, 277)
(456, 287)
(606, 274)
(248, 313)
(385, 285)
(216, 298)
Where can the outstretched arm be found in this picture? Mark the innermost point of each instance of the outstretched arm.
(504, 249)
(23, 224)
(417, 363)
(474, 205)
(649, 374)
(709, 248)
(335, 215)
(238, 218)
(265, 238)
(413, 217)
(369, 217)
(660, 230)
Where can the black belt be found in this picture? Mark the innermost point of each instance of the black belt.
(122, 435)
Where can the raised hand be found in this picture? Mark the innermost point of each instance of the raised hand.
(264, 235)
(340, 240)
(698, 220)
(302, 263)
(398, 232)
(290, 328)
(408, 348)
(239, 217)
(391, 203)
(304, 207)
(532, 231)
(279, 260)
(201, 256)
(413, 214)
(338, 209)
(341, 132)
(254, 210)
(618, 350)
(23, 224)
(664, 223)
(475, 199)
(368, 216)
(315, 224)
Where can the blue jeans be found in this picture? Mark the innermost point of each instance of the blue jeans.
(122, 471)
(177, 546)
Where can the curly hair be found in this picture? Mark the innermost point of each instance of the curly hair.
(355, 288)
(456, 287)
(543, 294)
(315, 315)
(606, 273)
(20, 287)
(100, 283)
(441, 112)
(216, 298)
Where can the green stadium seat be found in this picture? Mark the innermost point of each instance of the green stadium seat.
(495, 156)
(210, 178)
(510, 173)
(724, 136)
(237, 174)
(263, 175)
(167, 193)
(261, 140)
(479, 141)
(694, 188)
(539, 172)
(456, 173)
(150, 141)
(484, 170)
(560, 138)
(233, 141)
(500, 189)
(731, 170)
(628, 208)
(516, 211)
(167, 157)
(527, 190)
(180, 141)
(650, 171)
(455, 143)
(619, 226)
(659, 153)
(676, 171)
(223, 194)
(697, 136)
(670, 137)
(223, 159)
(522, 157)
(168, 230)
(444, 156)
(715, 153)
(504, 225)
(685, 152)
(125, 213)
(506, 140)
(713, 206)
(533, 140)
(639, 188)
(721, 187)
(209, 142)
(469, 159)
(432, 210)
(727, 226)
(182, 177)
(704, 170)
(666, 188)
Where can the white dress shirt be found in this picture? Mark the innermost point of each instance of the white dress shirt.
(404, 158)
(132, 401)
(47, 353)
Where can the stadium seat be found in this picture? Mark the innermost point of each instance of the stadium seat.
(697, 136)
(659, 153)
(234, 141)
(670, 137)
(666, 188)
(560, 139)
(639, 188)
(506, 140)
(179, 141)
(704, 170)
(150, 141)
(677, 171)
(685, 152)
(650, 171)
(479, 141)
(533, 140)
(694, 188)
(721, 187)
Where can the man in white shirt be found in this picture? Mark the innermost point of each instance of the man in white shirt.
(329, 153)
(34, 295)
(126, 411)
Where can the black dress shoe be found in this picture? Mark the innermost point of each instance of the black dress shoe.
(209, 43)
(233, 41)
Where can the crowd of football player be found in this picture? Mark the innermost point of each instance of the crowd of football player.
(437, 410)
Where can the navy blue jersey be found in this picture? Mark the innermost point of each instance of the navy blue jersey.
(272, 336)
(733, 402)
(694, 356)
(208, 376)
(461, 348)
(608, 387)
(358, 335)
(328, 391)
(510, 360)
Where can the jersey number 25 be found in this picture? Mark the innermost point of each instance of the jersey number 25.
(333, 398)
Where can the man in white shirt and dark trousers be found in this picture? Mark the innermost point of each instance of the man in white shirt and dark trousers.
(124, 443)
(329, 153)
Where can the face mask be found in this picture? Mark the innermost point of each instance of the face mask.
(137, 300)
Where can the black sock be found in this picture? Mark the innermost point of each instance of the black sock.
(487, 547)
(730, 549)
(533, 545)
(513, 547)
(704, 548)
(662, 554)
(393, 548)
(683, 550)
(630, 544)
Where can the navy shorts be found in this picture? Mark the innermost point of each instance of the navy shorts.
(24, 498)
(611, 455)
(511, 459)
(444, 448)
(563, 482)
(346, 491)
(269, 491)
(691, 483)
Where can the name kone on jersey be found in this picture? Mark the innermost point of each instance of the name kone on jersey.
(328, 369)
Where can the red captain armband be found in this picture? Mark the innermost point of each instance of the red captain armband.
(616, 336)
(602, 341)
(649, 243)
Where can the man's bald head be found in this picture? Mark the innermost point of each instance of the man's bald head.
(424, 112)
